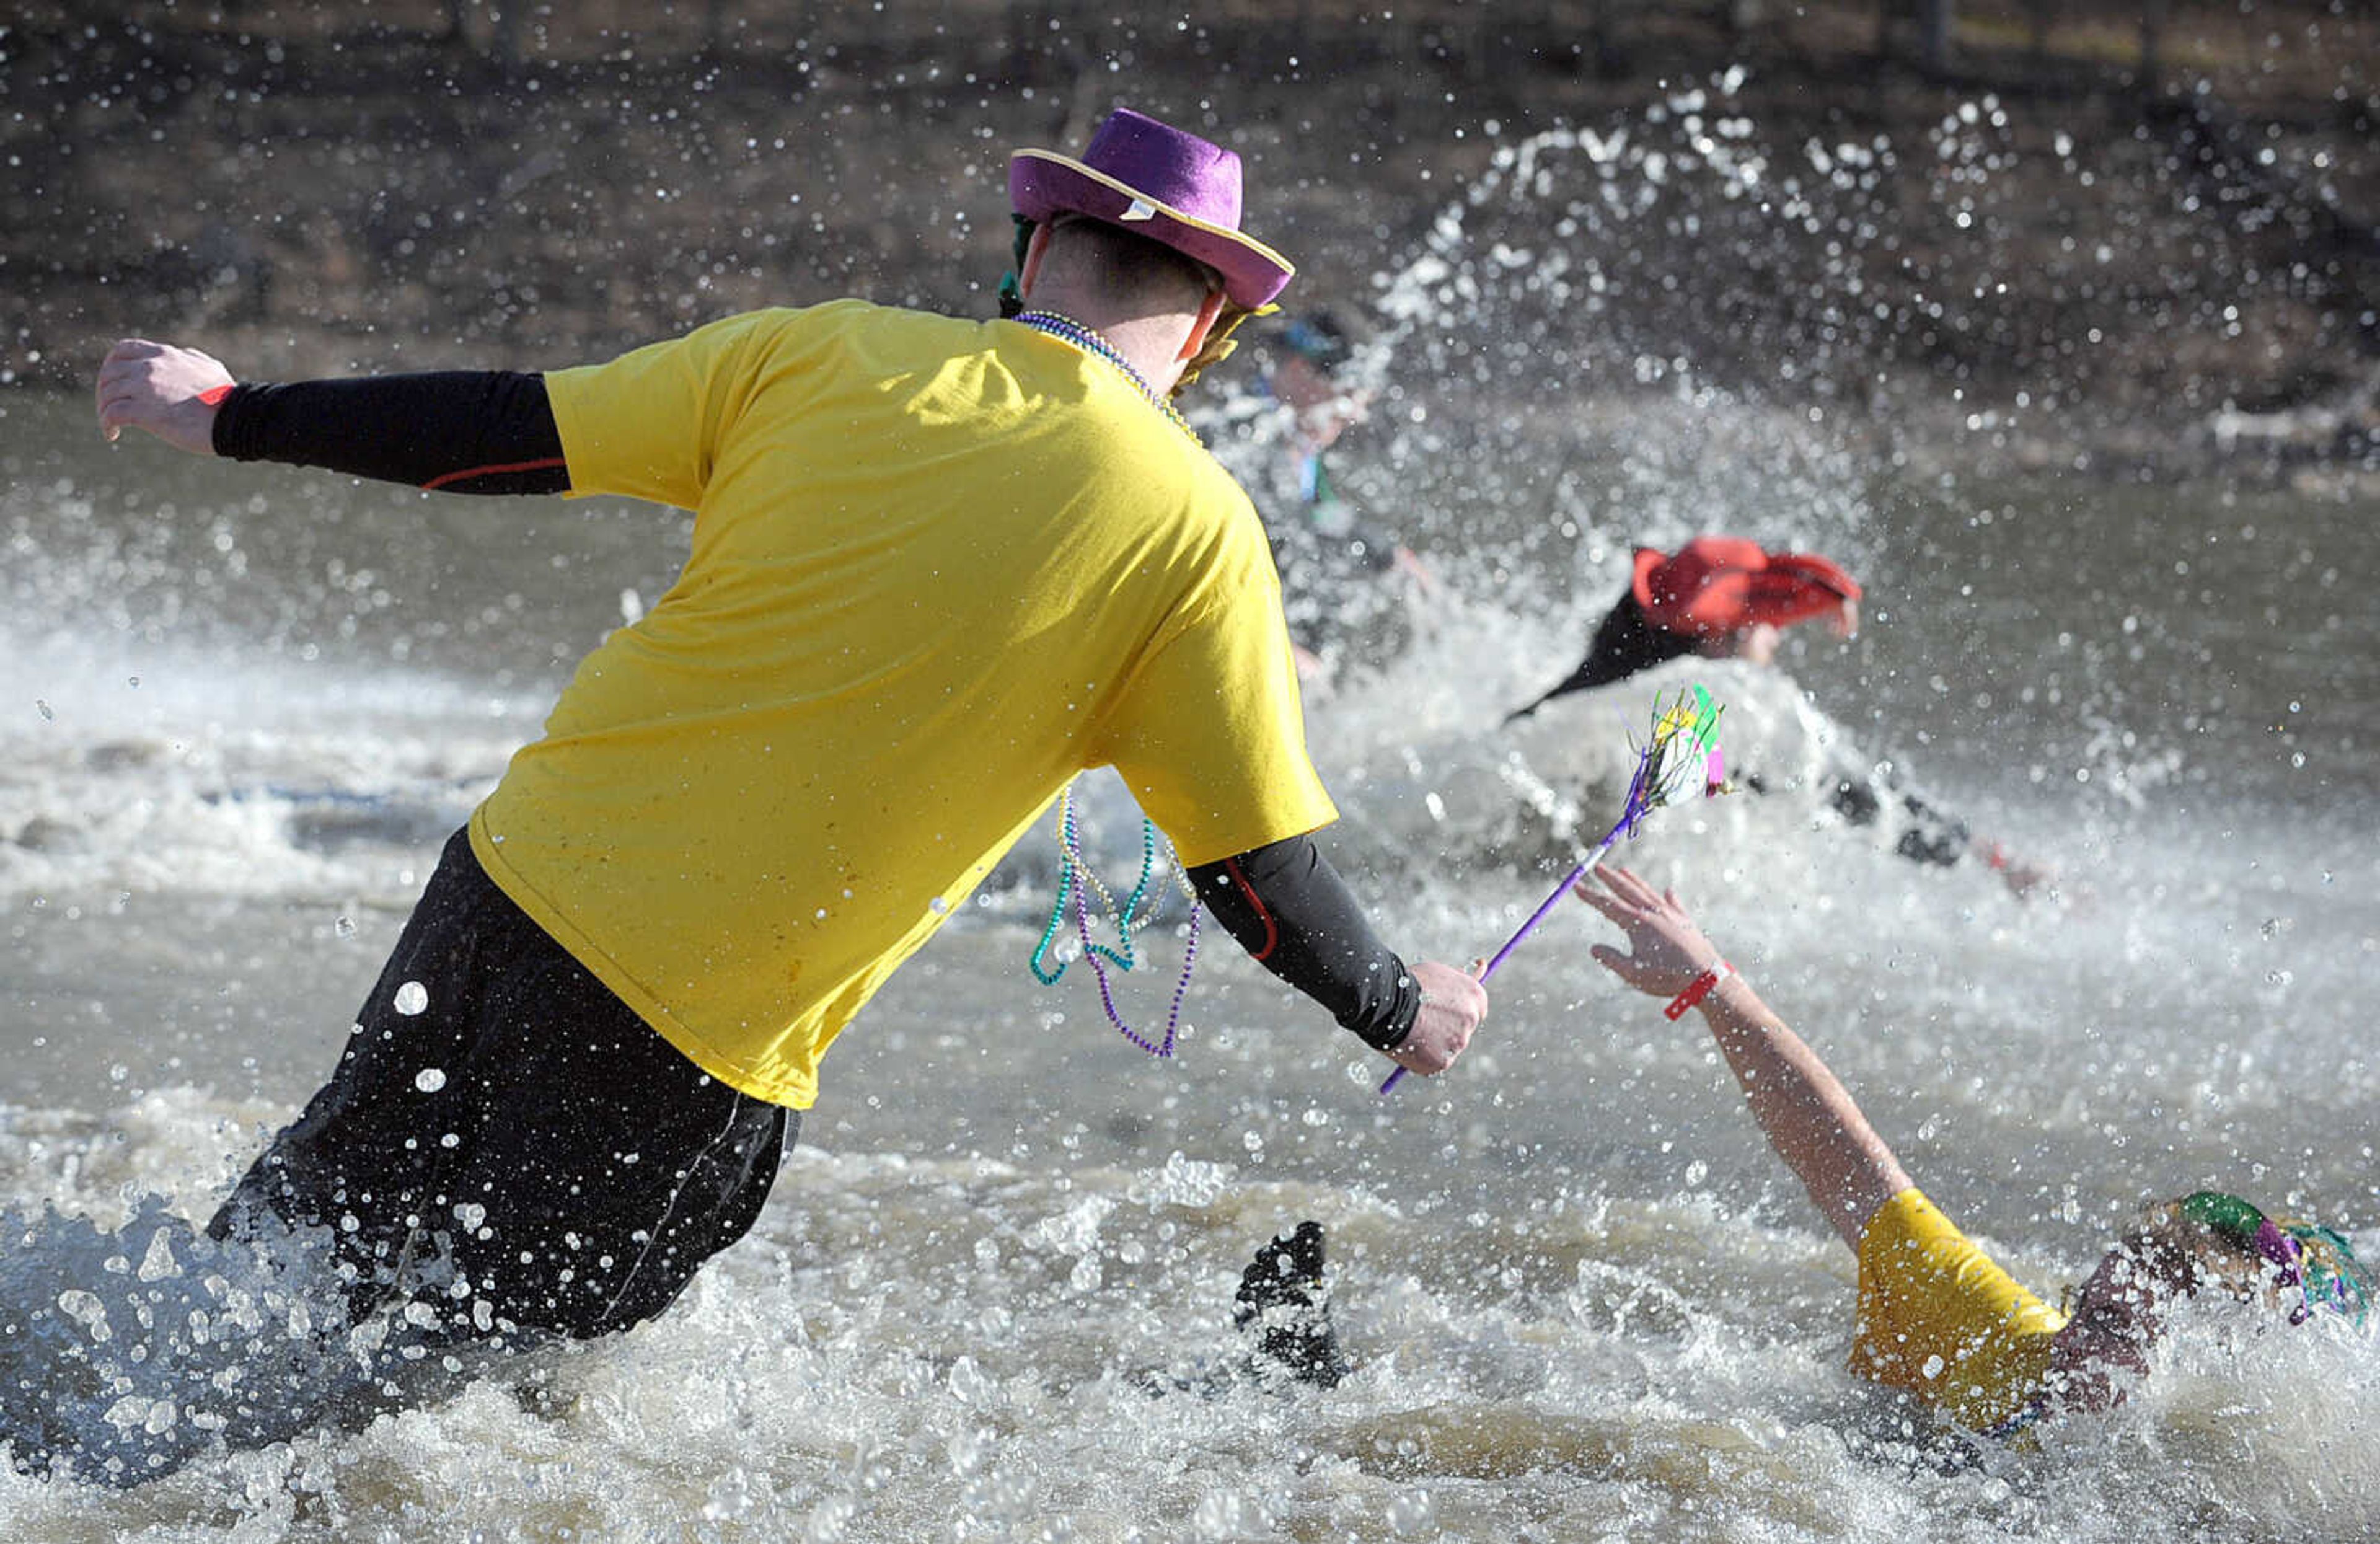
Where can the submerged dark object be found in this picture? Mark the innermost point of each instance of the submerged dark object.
(1283, 1300)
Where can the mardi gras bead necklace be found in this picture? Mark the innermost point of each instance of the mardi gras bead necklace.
(1076, 883)
(1076, 880)
(1062, 326)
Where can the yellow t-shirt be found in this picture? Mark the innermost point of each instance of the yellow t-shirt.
(940, 566)
(1938, 1318)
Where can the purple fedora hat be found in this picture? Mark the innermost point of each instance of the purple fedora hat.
(1170, 186)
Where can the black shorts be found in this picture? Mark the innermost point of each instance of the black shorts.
(506, 1142)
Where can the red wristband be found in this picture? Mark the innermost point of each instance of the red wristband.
(1698, 989)
(213, 396)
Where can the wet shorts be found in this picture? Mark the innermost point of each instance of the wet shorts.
(506, 1141)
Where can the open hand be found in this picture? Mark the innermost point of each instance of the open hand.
(1667, 950)
(162, 389)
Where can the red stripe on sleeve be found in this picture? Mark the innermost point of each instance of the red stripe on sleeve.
(469, 472)
(1272, 929)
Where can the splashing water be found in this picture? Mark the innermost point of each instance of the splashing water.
(133, 1350)
(991, 1295)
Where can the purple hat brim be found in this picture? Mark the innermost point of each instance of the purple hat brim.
(1042, 184)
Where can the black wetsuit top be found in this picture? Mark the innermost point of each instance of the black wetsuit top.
(493, 431)
(1623, 645)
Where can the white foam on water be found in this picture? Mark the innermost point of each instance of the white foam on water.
(908, 1346)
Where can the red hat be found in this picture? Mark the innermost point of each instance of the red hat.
(1718, 584)
(1162, 182)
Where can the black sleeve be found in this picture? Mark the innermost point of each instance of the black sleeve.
(458, 431)
(1930, 833)
(1290, 910)
(1624, 643)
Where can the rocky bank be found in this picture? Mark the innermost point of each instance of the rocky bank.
(2184, 266)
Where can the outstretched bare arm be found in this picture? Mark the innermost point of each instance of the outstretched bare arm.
(1807, 1114)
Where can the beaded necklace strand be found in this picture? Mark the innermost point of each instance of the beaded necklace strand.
(1076, 880)
(1062, 326)
(1075, 883)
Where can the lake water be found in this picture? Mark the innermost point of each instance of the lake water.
(241, 707)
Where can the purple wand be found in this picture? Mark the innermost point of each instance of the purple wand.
(1690, 716)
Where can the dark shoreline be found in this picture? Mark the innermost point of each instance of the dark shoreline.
(338, 191)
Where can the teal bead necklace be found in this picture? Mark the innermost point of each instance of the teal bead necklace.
(1060, 326)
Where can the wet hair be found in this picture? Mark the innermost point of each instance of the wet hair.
(2184, 1254)
(2165, 1254)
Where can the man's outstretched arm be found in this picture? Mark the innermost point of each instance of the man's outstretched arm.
(1290, 910)
(1807, 1114)
(463, 431)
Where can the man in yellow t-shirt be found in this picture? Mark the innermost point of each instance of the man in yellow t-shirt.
(940, 566)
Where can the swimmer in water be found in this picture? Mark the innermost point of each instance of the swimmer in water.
(1936, 1317)
(1726, 598)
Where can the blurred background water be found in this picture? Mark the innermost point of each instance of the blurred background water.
(241, 705)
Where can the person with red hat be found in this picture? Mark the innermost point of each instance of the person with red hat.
(1725, 597)
(939, 567)
(1722, 597)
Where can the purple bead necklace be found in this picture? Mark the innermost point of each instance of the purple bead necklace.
(1077, 880)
